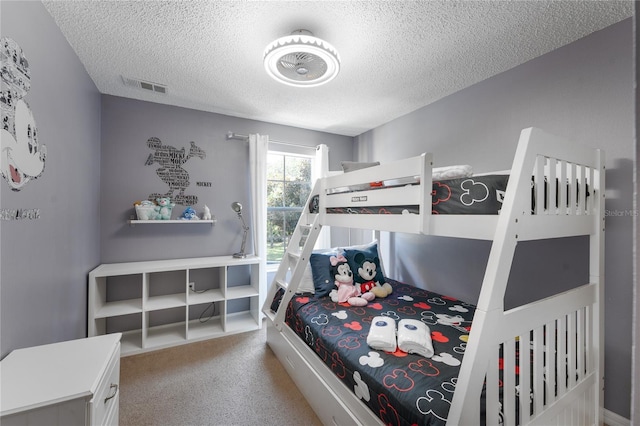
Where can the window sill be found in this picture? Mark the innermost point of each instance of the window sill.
(272, 267)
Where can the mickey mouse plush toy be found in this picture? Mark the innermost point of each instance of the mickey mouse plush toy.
(366, 277)
(347, 291)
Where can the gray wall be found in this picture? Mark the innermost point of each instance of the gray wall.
(45, 261)
(635, 400)
(583, 91)
(128, 124)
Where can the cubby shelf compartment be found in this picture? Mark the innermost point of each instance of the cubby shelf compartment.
(131, 341)
(208, 329)
(122, 307)
(205, 297)
(152, 305)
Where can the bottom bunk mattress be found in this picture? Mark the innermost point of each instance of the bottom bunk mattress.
(399, 387)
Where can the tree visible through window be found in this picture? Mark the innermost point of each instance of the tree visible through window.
(288, 187)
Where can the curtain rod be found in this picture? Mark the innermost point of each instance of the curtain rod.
(237, 136)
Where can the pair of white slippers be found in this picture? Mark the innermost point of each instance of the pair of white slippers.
(410, 336)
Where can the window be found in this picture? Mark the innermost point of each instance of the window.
(288, 187)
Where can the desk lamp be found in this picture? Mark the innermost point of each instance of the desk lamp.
(237, 207)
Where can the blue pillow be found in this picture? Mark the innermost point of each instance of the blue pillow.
(368, 252)
(323, 281)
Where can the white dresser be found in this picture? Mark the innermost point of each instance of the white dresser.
(67, 383)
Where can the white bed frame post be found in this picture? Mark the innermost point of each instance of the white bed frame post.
(576, 315)
(465, 407)
(425, 195)
(596, 275)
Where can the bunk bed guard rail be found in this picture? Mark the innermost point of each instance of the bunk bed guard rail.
(403, 185)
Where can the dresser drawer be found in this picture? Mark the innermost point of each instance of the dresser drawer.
(107, 396)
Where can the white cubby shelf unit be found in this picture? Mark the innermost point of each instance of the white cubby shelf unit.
(152, 305)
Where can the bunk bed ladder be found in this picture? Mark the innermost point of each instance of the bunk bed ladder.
(293, 264)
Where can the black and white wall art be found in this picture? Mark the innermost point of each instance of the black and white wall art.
(170, 161)
(22, 155)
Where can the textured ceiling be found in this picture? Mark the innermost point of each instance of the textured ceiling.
(397, 56)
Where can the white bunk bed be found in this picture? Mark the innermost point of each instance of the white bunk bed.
(565, 375)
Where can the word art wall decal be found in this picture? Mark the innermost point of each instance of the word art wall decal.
(170, 160)
(19, 214)
(22, 156)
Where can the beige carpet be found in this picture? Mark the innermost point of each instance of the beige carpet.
(232, 380)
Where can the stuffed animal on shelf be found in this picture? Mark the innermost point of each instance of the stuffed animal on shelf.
(365, 278)
(207, 213)
(145, 210)
(347, 291)
(189, 214)
(163, 208)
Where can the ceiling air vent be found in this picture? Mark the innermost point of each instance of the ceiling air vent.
(145, 85)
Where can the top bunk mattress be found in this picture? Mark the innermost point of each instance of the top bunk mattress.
(473, 195)
(479, 195)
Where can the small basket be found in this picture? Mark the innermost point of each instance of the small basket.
(145, 212)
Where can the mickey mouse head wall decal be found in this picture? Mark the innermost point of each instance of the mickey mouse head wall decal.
(22, 156)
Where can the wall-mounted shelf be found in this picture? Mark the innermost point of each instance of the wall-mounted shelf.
(155, 222)
(153, 305)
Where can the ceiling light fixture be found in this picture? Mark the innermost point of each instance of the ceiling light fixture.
(301, 60)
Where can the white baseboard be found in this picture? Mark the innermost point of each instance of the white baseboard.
(613, 419)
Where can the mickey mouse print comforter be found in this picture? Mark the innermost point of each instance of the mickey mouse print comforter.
(401, 388)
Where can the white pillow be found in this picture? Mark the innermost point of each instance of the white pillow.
(452, 172)
(306, 283)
